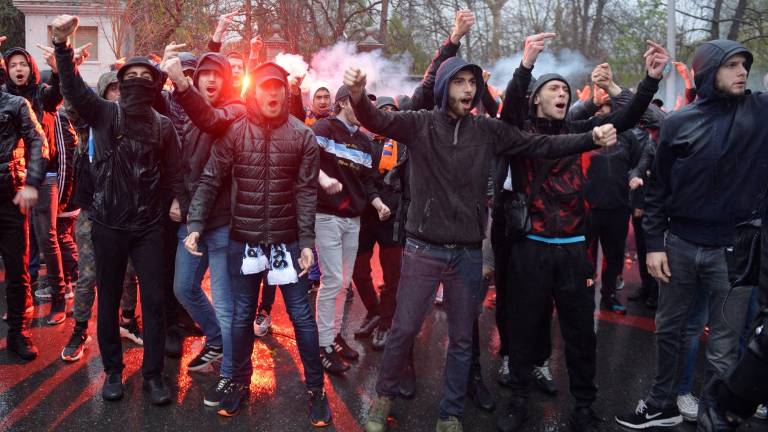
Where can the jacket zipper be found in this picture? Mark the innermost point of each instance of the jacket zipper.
(266, 195)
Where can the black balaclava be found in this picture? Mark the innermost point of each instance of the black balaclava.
(138, 94)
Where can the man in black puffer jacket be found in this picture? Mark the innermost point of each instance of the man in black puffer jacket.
(271, 160)
(22, 159)
(136, 151)
(212, 106)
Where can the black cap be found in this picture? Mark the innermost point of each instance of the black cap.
(341, 93)
(188, 61)
(139, 61)
(383, 101)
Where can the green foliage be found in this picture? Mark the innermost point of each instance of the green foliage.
(400, 40)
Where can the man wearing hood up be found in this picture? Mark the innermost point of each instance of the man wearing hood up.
(271, 161)
(24, 80)
(22, 169)
(549, 264)
(213, 106)
(450, 152)
(135, 151)
(710, 174)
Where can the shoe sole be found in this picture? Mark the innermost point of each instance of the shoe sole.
(208, 403)
(321, 423)
(25, 358)
(260, 334)
(78, 356)
(55, 322)
(125, 334)
(667, 422)
(690, 419)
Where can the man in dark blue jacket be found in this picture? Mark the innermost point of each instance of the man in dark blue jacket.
(710, 171)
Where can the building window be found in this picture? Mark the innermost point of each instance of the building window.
(83, 36)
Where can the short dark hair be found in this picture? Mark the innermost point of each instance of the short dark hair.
(337, 104)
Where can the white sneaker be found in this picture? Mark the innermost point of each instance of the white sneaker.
(439, 296)
(688, 405)
(762, 412)
(262, 324)
(504, 368)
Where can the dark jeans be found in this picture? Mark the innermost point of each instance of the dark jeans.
(609, 229)
(540, 274)
(146, 250)
(245, 292)
(649, 285)
(14, 248)
(424, 267)
(696, 271)
(268, 293)
(500, 246)
(390, 258)
(45, 213)
(65, 230)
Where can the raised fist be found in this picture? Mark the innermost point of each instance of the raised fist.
(604, 135)
(355, 80)
(63, 26)
(465, 19)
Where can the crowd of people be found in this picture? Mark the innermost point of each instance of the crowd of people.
(180, 168)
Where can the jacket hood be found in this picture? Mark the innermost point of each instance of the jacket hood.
(34, 75)
(188, 61)
(539, 83)
(708, 58)
(315, 87)
(261, 73)
(220, 64)
(447, 71)
(104, 81)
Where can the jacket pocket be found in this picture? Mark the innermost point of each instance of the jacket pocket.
(425, 217)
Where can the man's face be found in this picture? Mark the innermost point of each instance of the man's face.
(113, 92)
(138, 71)
(270, 97)
(19, 69)
(731, 77)
(348, 112)
(322, 100)
(461, 92)
(210, 83)
(552, 100)
(237, 71)
(387, 108)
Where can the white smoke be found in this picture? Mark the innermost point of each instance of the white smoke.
(386, 76)
(570, 64)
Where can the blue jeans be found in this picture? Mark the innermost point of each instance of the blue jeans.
(245, 291)
(215, 320)
(425, 266)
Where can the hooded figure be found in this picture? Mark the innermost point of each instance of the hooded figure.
(136, 155)
(712, 159)
(105, 80)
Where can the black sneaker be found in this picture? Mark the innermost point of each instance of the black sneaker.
(343, 349)
(479, 393)
(214, 396)
(112, 390)
(131, 330)
(614, 305)
(380, 336)
(73, 351)
(332, 361)
(20, 344)
(367, 326)
(712, 418)
(406, 385)
(319, 411)
(646, 416)
(205, 358)
(544, 380)
(234, 395)
(584, 420)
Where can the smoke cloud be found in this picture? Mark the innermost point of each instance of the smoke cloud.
(386, 76)
(570, 64)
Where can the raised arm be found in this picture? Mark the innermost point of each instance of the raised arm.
(396, 125)
(214, 44)
(515, 108)
(93, 109)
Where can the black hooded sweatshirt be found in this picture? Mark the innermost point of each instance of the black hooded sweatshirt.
(207, 124)
(711, 166)
(450, 159)
(44, 98)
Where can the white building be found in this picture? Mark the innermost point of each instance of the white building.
(95, 27)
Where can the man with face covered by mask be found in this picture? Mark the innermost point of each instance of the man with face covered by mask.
(135, 150)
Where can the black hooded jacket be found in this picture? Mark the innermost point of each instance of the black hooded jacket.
(450, 159)
(22, 144)
(559, 210)
(272, 165)
(711, 166)
(132, 158)
(207, 125)
(44, 98)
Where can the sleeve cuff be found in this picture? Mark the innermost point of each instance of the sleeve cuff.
(306, 243)
(654, 243)
(195, 227)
